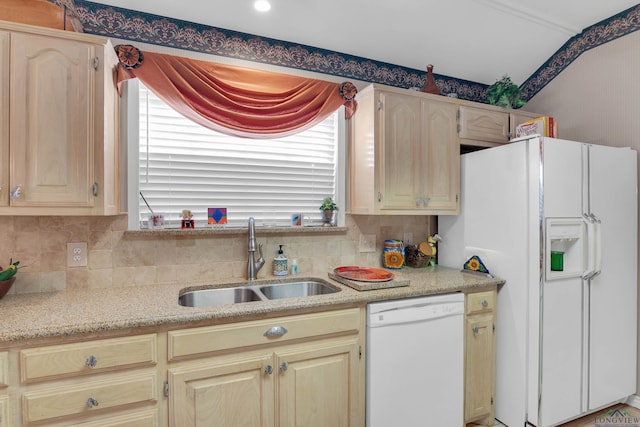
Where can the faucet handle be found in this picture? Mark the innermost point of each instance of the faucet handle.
(260, 251)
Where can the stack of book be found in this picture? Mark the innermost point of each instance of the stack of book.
(544, 126)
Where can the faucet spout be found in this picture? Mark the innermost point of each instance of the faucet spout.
(253, 265)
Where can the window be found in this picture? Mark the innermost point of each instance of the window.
(184, 166)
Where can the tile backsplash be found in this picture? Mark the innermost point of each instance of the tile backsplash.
(117, 259)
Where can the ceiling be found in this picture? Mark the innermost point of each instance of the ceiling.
(476, 40)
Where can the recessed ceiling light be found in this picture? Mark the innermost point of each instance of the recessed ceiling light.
(262, 5)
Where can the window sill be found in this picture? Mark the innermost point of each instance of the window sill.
(223, 231)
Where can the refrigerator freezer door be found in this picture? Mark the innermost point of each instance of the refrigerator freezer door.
(499, 206)
(562, 304)
(613, 293)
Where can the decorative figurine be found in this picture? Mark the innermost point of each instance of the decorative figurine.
(187, 219)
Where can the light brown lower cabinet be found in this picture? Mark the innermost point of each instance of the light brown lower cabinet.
(306, 369)
(101, 382)
(480, 357)
(309, 372)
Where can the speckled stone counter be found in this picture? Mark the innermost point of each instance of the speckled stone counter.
(46, 315)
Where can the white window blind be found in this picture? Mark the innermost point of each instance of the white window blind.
(183, 165)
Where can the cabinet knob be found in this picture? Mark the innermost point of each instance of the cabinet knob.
(426, 201)
(284, 366)
(475, 330)
(275, 331)
(268, 369)
(485, 303)
(91, 402)
(16, 192)
(418, 201)
(91, 361)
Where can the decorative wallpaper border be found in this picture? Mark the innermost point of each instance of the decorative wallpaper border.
(135, 26)
(598, 34)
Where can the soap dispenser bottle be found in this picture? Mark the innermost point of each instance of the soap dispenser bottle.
(280, 267)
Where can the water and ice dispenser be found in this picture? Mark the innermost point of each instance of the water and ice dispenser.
(566, 247)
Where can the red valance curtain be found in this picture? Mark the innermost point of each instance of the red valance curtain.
(233, 100)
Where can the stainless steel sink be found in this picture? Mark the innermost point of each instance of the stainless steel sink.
(288, 288)
(297, 289)
(211, 297)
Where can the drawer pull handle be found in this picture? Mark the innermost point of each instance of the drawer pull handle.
(268, 369)
(485, 303)
(275, 331)
(91, 402)
(475, 330)
(284, 366)
(92, 361)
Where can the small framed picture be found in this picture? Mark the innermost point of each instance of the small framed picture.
(296, 220)
(216, 216)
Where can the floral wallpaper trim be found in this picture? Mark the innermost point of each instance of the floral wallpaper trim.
(131, 25)
(154, 29)
(603, 32)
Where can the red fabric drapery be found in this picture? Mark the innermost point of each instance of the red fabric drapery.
(238, 101)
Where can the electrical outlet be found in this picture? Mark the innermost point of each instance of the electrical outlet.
(367, 243)
(77, 254)
(407, 238)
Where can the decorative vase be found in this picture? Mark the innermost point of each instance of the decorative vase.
(5, 285)
(430, 85)
(327, 218)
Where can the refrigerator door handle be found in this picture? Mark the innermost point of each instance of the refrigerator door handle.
(597, 245)
(591, 248)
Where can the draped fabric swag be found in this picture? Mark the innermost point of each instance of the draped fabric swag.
(237, 101)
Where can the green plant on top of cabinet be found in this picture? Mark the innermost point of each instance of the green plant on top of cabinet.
(59, 150)
(404, 154)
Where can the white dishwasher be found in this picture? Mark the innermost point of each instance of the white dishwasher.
(415, 362)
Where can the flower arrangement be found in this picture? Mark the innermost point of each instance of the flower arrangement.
(504, 93)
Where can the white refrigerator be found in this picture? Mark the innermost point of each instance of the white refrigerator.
(566, 331)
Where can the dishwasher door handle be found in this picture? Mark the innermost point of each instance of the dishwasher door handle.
(425, 313)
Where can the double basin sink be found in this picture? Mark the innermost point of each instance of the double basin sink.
(250, 292)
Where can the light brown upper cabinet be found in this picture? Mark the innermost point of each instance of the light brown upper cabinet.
(59, 137)
(404, 154)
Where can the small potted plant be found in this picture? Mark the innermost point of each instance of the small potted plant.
(504, 93)
(328, 207)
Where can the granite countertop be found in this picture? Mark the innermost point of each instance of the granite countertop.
(43, 315)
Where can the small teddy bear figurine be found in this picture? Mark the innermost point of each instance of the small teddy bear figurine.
(187, 219)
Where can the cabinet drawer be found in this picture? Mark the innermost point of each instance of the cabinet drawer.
(195, 341)
(91, 397)
(484, 125)
(4, 369)
(84, 358)
(480, 302)
(139, 419)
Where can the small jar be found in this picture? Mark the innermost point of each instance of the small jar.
(393, 254)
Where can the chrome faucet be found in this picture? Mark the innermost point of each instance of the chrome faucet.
(253, 266)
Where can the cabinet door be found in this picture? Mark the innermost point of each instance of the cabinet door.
(402, 154)
(318, 385)
(480, 368)
(440, 172)
(52, 88)
(5, 421)
(4, 118)
(225, 393)
(484, 125)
